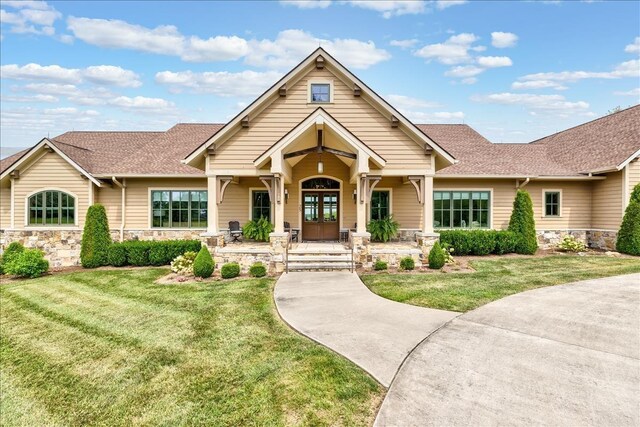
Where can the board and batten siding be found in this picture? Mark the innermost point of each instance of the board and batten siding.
(355, 113)
(50, 172)
(607, 205)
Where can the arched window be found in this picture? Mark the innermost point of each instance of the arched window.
(52, 208)
(320, 184)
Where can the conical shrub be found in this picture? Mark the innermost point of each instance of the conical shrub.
(523, 224)
(96, 239)
(629, 234)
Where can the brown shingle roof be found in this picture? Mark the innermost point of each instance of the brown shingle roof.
(8, 161)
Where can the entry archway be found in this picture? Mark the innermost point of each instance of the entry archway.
(321, 208)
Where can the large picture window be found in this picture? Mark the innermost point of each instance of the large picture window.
(179, 209)
(260, 205)
(461, 209)
(52, 208)
(380, 205)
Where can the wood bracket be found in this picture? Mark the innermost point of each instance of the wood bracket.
(272, 182)
(222, 182)
(283, 90)
(394, 122)
(367, 184)
(245, 122)
(357, 91)
(427, 149)
(418, 184)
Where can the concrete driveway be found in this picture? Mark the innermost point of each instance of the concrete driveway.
(337, 310)
(563, 355)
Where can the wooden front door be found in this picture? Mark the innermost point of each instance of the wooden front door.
(320, 215)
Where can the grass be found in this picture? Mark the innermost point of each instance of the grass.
(494, 278)
(112, 348)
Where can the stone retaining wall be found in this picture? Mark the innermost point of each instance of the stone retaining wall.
(596, 239)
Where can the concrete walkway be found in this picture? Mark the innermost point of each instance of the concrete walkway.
(562, 355)
(337, 310)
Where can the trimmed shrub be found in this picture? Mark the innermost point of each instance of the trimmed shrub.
(96, 239)
(230, 270)
(407, 263)
(258, 270)
(380, 265)
(383, 230)
(138, 253)
(28, 263)
(183, 264)
(523, 224)
(14, 249)
(436, 257)
(203, 265)
(628, 241)
(506, 242)
(117, 254)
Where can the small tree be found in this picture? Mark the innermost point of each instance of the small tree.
(203, 265)
(629, 234)
(94, 251)
(436, 257)
(523, 224)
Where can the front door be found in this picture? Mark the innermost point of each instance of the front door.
(320, 218)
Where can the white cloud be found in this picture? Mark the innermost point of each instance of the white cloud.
(219, 48)
(29, 99)
(502, 40)
(391, 8)
(633, 47)
(291, 46)
(222, 83)
(144, 104)
(633, 92)
(495, 61)
(625, 69)
(464, 71)
(538, 84)
(434, 117)
(307, 4)
(99, 74)
(551, 104)
(404, 44)
(469, 80)
(454, 50)
(35, 17)
(402, 102)
(443, 4)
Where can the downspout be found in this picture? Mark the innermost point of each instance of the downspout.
(521, 185)
(123, 187)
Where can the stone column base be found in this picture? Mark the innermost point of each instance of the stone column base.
(425, 243)
(361, 249)
(278, 243)
(213, 240)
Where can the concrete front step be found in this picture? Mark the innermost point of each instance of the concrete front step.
(321, 258)
(323, 266)
(319, 251)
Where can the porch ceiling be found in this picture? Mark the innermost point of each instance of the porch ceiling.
(308, 140)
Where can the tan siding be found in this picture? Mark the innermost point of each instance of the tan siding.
(111, 198)
(606, 212)
(50, 172)
(355, 113)
(138, 198)
(5, 205)
(404, 202)
(235, 206)
(633, 172)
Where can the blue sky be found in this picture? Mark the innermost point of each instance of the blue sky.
(515, 71)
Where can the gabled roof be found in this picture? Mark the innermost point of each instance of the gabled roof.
(233, 123)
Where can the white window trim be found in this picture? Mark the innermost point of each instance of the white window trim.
(490, 190)
(50, 226)
(390, 190)
(150, 207)
(319, 81)
(544, 202)
(251, 190)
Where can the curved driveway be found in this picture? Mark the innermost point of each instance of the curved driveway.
(562, 355)
(337, 310)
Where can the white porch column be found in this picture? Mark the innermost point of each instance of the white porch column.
(427, 204)
(212, 204)
(278, 192)
(361, 206)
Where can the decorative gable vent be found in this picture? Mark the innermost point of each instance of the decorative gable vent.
(394, 122)
(356, 90)
(245, 122)
(283, 90)
(319, 62)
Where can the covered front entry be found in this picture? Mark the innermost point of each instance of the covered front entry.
(320, 209)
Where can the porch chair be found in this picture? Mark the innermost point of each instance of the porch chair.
(294, 232)
(235, 231)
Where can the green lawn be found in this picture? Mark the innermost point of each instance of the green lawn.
(112, 348)
(493, 279)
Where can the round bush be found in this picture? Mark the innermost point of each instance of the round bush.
(204, 265)
(407, 263)
(96, 239)
(380, 265)
(628, 241)
(436, 257)
(230, 270)
(117, 255)
(14, 249)
(523, 224)
(258, 270)
(29, 263)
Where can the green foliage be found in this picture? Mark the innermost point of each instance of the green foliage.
(380, 265)
(628, 241)
(570, 244)
(117, 255)
(258, 270)
(506, 242)
(28, 263)
(138, 253)
(162, 252)
(523, 224)
(478, 242)
(383, 230)
(407, 263)
(230, 270)
(14, 249)
(258, 230)
(183, 264)
(96, 239)
(436, 257)
(203, 265)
